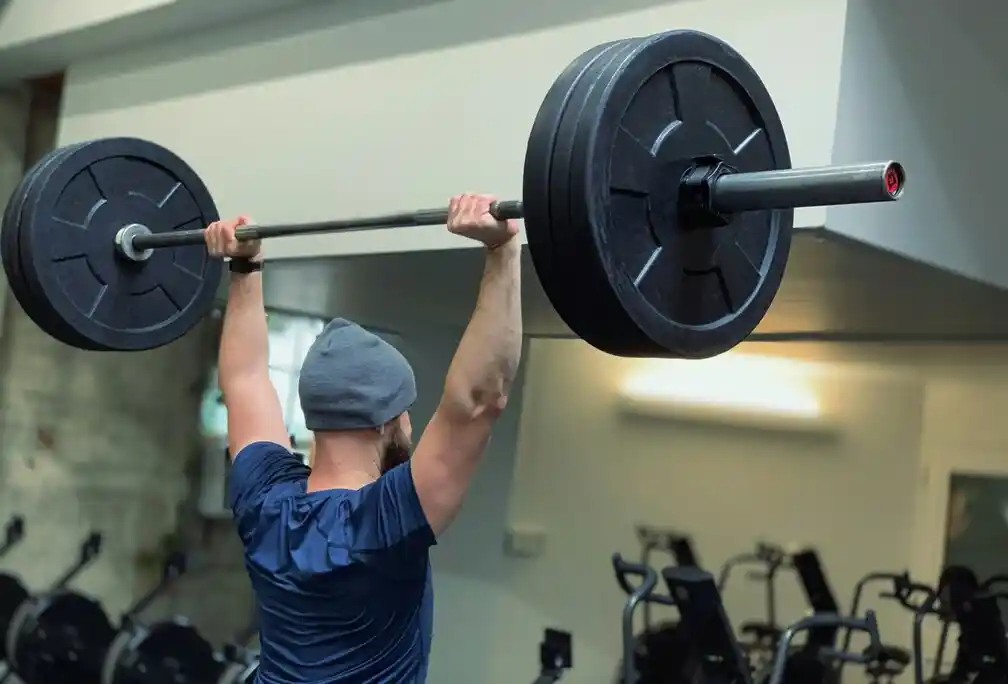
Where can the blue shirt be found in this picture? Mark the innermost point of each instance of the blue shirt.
(342, 576)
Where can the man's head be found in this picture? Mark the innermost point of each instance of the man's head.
(352, 380)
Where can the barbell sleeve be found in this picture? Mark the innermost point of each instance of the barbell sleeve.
(426, 217)
(809, 187)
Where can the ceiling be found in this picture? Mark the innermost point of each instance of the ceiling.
(55, 52)
(835, 289)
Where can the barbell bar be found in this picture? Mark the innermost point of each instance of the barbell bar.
(732, 192)
(658, 197)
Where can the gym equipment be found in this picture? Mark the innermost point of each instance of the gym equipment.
(891, 660)
(982, 655)
(658, 200)
(61, 635)
(812, 661)
(555, 656)
(770, 558)
(675, 543)
(13, 534)
(719, 657)
(867, 624)
(243, 661)
(12, 591)
(659, 654)
(169, 650)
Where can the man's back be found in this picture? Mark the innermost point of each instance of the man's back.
(342, 576)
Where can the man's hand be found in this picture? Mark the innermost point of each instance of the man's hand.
(469, 216)
(221, 241)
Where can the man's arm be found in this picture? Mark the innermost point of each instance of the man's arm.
(254, 413)
(475, 391)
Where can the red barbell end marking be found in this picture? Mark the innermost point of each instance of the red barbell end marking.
(895, 179)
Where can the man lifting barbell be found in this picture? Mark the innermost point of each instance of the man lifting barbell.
(338, 553)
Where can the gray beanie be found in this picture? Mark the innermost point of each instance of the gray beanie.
(352, 379)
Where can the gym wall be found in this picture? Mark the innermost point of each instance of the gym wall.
(352, 108)
(907, 98)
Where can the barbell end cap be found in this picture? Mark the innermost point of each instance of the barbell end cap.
(124, 243)
(894, 179)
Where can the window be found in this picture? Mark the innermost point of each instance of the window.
(290, 336)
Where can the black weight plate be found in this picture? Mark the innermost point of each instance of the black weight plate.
(38, 307)
(538, 160)
(694, 293)
(9, 242)
(12, 594)
(89, 195)
(8, 234)
(570, 299)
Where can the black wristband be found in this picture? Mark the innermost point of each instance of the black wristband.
(244, 265)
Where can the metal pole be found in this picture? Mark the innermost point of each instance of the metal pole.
(810, 187)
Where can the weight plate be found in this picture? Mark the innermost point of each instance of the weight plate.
(538, 160)
(69, 236)
(24, 613)
(570, 299)
(39, 309)
(13, 594)
(693, 293)
(110, 662)
(9, 243)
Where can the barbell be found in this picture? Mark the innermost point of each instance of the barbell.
(658, 200)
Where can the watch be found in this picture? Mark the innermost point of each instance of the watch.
(245, 265)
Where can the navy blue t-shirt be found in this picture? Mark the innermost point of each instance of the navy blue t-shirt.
(342, 576)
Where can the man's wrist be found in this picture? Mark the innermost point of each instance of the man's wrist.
(246, 265)
(512, 245)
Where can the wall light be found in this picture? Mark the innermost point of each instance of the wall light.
(734, 389)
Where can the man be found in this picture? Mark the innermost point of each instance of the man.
(338, 553)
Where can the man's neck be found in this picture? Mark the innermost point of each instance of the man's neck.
(344, 461)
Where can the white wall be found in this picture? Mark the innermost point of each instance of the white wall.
(922, 82)
(346, 109)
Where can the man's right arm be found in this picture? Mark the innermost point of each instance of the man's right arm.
(475, 392)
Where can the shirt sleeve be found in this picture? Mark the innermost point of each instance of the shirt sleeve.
(256, 469)
(388, 515)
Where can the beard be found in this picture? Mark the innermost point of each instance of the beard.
(397, 451)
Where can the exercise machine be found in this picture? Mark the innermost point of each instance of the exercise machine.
(982, 653)
(892, 660)
(555, 656)
(242, 660)
(655, 656)
(673, 543)
(719, 658)
(12, 591)
(60, 636)
(761, 636)
(170, 651)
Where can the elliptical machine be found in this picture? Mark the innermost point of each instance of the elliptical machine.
(680, 547)
(718, 656)
(760, 637)
(891, 661)
(652, 657)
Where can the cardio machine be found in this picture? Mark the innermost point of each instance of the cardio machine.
(650, 658)
(719, 658)
(760, 636)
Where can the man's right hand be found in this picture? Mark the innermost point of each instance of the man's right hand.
(221, 241)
